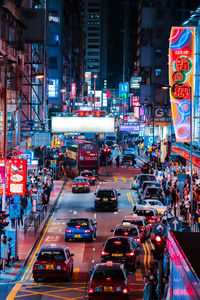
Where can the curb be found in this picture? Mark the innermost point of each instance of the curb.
(41, 232)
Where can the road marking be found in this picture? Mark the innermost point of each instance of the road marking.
(93, 249)
(138, 275)
(115, 178)
(95, 215)
(131, 178)
(149, 254)
(130, 199)
(145, 258)
(93, 261)
(115, 213)
(75, 212)
(76, 273)
(124, 179)
(51, 238)
(17, 287)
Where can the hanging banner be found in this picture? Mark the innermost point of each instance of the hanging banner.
(2, 176)
(16, 171)
(73, 90)
(181, 79)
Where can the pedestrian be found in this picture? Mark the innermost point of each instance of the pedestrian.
(117, 161)
(4, 252)
(24, 203)
(147, 294)
(47, 191)
(21, 216)
(44, 201)
(9, 251)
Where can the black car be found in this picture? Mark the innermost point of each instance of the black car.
(128, 158)
(122, 250)
(106, 199)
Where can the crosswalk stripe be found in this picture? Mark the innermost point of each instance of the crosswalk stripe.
(124, 179)
(115, 178)
(131, 178)
(138, 275)
(76, 273)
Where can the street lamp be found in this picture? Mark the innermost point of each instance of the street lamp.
(191, 167)
(95, 77)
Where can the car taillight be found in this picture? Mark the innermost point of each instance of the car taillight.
(152, 221)
(64, 268)
(130, 253)
(87, 230)
(137, 240)
(104, 253)
(90, 290)
(97, 198)
(93, 178)
(114, 198)
(125, 291)
(78, 227)
(68, 230)
(35, 268)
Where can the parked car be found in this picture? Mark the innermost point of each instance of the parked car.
(81, 228)
(80, 184)
(106, 199)
(53, 262)
(156, 204)
(90, 176)
(108, 280)
(148, 212)
(141, 222)
(145, 177)
(153, 193)
(122, 250)
(127, 229)
(146, 184)
(134, 184)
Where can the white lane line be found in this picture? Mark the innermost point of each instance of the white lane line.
(115, 213)
(93, 261)
(60, 230)
(95, 215)
(63, 223)
(75, 212)
(93, 249)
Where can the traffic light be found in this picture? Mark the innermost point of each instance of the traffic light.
(3, 217)
(159, 244)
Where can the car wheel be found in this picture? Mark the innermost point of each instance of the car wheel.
(91, 239)
(66, 239)
(35, 279)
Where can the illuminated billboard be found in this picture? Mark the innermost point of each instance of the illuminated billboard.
(82, 124)
(181, 78)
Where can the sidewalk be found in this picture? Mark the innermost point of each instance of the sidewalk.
(27, 241)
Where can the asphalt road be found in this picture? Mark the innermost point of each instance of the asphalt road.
(86, 255)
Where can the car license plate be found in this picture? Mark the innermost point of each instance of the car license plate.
(154, 197)
(117, 254)
(77, 236)
(107, 288)
(49, 267)
(105, 199)
(80, 185)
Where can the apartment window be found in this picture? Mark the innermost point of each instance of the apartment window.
(54, 39)
(93, 60)
(158, 52)
(93, 28)
(53, 62)
(92, 17)
(93, 40)
(92, 67)
(93, 46)
(93, 10)
(93, 23)
(93, 53)
(93, 34)
(158, 72)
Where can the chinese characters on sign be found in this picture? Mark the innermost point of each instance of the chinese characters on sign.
(181, 75)
(16, 177)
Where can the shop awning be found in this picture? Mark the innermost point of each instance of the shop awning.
(186, 154)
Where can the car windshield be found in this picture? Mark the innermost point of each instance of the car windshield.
(113, 274)
(130, 231)
(51, 254)
(108, 194)
(144, 212)
(121, 246)
(155, 203)
(86, 174)
(80, 180)
(135, 222)
(78, 222)
(154, 192)
(147, 178)
(152, 184)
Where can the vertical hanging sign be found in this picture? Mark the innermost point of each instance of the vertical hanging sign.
(73, 90)
(16, 177)
(181, 78)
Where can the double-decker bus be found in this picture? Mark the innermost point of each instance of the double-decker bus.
(81, 155)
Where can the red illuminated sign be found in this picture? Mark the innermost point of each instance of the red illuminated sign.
(135, 101)
(16, 170)
(73, 90)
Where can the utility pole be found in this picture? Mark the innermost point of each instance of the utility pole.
(5, 136)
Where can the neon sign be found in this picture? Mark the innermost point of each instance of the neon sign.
(181, 75)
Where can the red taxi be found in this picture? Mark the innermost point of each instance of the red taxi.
(108, 280)
(53, 262)
(142, 224)
(127, 229)
(148, 212)
(90, 176)
(80, 184)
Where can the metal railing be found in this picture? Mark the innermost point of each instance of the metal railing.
(33, 220)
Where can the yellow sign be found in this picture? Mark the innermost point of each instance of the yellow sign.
(174, 164)
(53, 161)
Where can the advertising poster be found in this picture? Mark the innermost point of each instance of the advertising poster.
(73, 90)
(16, 172)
